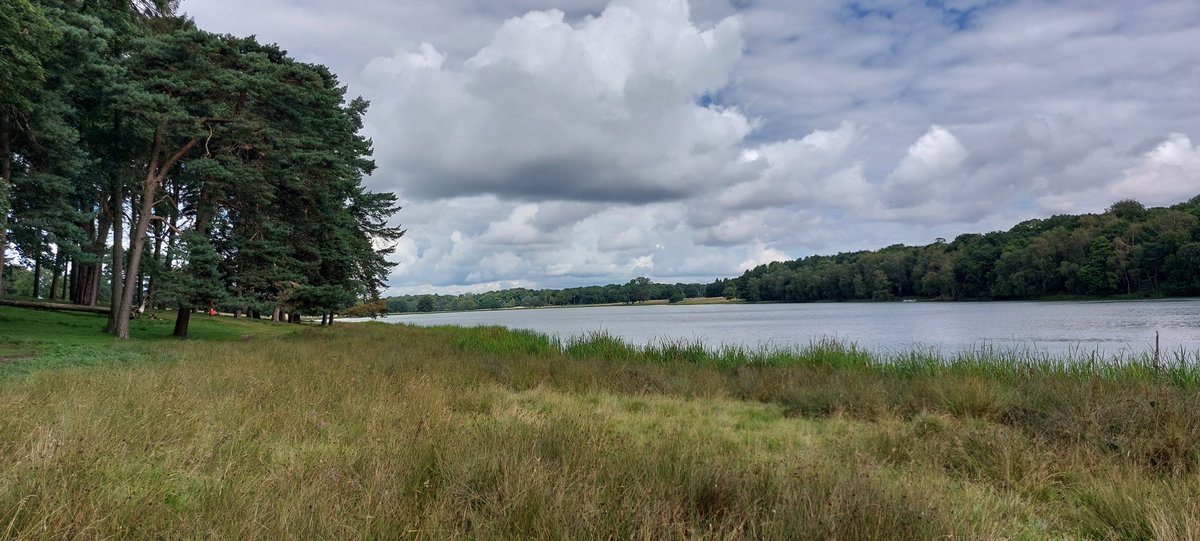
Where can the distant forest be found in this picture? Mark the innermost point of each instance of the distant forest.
(636, 290)
(1128, 250)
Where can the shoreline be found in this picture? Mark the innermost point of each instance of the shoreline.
(717, 301)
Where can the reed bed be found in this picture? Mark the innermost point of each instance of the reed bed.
(1179, 367)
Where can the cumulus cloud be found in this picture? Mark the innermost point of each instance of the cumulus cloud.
(762, 255)
(517, 229)
(931, 165)
(1167, 174)
(606, 109)
(820, 169)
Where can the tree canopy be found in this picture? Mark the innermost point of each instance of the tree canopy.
(234, 173)
(1126, 250)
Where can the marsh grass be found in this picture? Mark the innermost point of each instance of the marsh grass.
(1180, 368)
(383, 431)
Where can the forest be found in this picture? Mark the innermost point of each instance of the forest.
(148, 163)
(639, 289)
(1127, 250)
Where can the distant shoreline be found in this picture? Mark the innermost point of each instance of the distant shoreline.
(704, 301)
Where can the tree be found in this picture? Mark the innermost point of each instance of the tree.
(638, 289)
(1128, 209)
(196, 284)
(26, 39)
(425, 303)
(184, 84)
(1096, 274)
(251, 166)
(752, 291)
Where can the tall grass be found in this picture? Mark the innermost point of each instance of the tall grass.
(1180, 367)
(380, 431)
(1124, 406)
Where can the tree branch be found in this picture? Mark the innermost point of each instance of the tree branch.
(167, 165)
(166, 223)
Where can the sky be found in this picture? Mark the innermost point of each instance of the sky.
(560, 143)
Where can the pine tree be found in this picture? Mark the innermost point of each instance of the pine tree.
(26, 39)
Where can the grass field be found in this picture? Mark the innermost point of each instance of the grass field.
(370, 431)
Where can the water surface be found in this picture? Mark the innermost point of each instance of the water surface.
(1110, 327)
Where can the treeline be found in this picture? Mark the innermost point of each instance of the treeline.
(635, 291)
(233, 173)
(1127, 250)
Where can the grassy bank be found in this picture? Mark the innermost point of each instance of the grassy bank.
(381, 431)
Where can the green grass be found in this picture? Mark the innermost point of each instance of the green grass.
(33, 340)
(371, 431)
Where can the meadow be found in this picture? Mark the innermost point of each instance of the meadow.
(369, 431)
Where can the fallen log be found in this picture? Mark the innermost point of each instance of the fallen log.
(55, 306)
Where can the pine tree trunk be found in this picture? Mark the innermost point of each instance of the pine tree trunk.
(138, 279)
(324, 319)
(276, 314)
(76, 281)
(86, 287)
(68, 269)
(331, 319)
(36, 290)
(124, 309)
(118, 259)
(154, 176)
(182, 318)
(55, 279)
(5, 192)
(73, 283)
(152, 288)
(68, 290)
(204, 217)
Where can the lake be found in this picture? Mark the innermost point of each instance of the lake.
(1109, 327)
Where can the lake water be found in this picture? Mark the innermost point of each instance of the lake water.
(1112, 328)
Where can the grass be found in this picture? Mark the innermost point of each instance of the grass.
(384, 431)
(32, 340)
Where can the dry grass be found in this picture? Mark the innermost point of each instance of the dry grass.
(377, 431)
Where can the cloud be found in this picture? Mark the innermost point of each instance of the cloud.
(761, 256)
(495, 267)
(608, 109)
(819, 169)
(517, 229)
(932, 163)
(1165, 175)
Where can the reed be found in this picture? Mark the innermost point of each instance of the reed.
(1182, 368)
